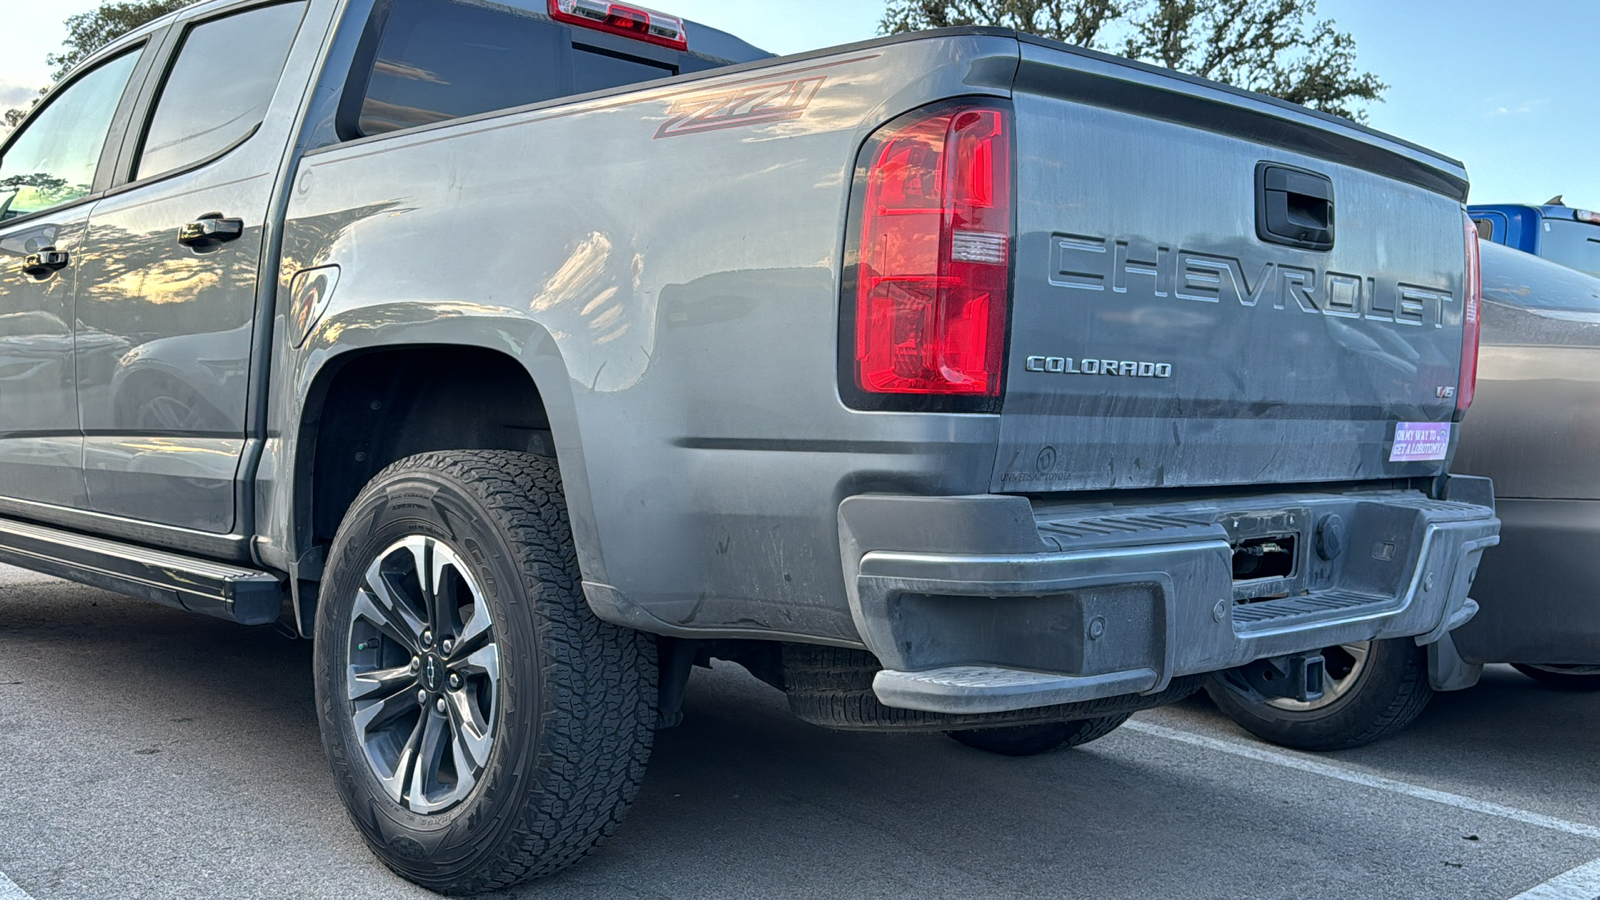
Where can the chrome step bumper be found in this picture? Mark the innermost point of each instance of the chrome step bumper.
(987, 604)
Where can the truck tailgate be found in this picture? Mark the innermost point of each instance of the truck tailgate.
(1159, 338)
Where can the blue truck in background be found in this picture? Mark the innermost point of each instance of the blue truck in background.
(1555, 231)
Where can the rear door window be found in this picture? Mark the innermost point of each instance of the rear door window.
(217, 92)
(1575, 245)
(52, 161)
(436, 60)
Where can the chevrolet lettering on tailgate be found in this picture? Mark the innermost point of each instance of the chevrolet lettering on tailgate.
(1093, 263)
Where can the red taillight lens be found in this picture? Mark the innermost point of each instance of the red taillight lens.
(1472, 299)
(617, 18)
(933, 266)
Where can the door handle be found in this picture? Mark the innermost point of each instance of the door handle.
(210, 230)
(45, 263)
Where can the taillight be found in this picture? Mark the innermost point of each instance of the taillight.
(932, 254)
(629, 21)
(1471, 301)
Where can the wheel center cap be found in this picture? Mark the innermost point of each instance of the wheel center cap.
(432, 672)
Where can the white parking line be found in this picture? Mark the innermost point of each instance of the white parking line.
(1582, 883)
(10, 891)
(1316, 767)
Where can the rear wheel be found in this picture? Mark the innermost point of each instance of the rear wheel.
(1566, 678)
(1373, 689)
(1031, 740)
(483, 726)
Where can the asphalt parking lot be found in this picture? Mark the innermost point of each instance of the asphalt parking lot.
(152, 753)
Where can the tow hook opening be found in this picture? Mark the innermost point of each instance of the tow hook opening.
(1298, 677)
(1264, 557)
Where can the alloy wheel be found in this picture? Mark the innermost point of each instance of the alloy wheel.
(423, 681)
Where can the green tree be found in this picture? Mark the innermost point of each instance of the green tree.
(88, 32)
(1276, 47)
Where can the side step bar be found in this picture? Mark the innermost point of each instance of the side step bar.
(246, 596)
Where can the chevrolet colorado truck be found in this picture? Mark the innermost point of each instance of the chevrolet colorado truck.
(524, 355)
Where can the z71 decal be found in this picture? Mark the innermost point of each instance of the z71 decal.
(754, 104)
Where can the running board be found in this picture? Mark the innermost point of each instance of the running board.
(246, 596)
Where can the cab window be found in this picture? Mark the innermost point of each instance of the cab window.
(436, 60)
(52, 160)
(218, 90)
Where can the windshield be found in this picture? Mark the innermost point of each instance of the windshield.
(1575, 245)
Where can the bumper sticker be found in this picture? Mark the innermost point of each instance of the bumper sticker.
(1420, 441)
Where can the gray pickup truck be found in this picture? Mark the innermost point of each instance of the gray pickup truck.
(524, 356)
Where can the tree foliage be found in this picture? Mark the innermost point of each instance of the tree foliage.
(89, 31)
(1276, 47)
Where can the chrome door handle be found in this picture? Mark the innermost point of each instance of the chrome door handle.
(210, 230)
(45, 263)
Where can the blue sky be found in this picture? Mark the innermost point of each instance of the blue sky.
(1507, 87)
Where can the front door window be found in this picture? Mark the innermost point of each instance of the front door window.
(52, 161)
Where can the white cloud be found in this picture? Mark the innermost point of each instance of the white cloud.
(1500, 106)
(16, 94)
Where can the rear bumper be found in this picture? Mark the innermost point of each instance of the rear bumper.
(996, 603)
(1540, 591)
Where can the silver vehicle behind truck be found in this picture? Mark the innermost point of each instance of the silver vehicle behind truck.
(524, 356)
(1532, 431)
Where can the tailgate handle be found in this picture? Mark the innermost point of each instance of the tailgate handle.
(1294, 207)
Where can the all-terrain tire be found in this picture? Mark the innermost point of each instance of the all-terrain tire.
(1032, 740)
(1389, 693)
(1583, 678)
(577, 696)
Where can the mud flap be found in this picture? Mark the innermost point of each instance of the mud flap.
(1447, 671)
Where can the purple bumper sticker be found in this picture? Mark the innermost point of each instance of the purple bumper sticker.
(1419, 441)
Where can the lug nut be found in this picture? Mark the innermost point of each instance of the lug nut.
(427, 637)
(416, 663)
(455, 682)
(422, 698)
(446, 645)
(439, 705)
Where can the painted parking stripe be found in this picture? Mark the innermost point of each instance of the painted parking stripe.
(10, 891)
(1303, 763)
(1582, 883)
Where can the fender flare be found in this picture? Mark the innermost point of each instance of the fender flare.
(357, 332)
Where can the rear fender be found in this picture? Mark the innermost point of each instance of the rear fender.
(285, 481)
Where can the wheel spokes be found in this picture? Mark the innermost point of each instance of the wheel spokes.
(1358, 653)
(425, 718)
(394, 783)
(443, 578)
(471, 728)
(474, 633)
(425, 769)
(466, 769)
(377, 713)
(365, 685)
(380, 605)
